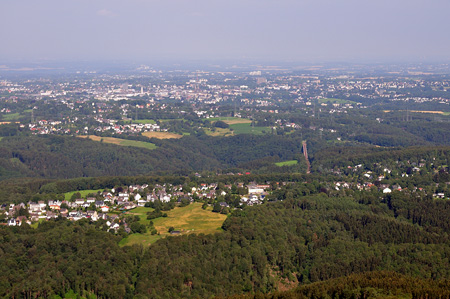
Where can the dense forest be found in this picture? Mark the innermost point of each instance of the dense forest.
(70, 157)
(57, 157)
(279, 245)
(376, 284)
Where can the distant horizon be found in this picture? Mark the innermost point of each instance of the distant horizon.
(226, 61)
(209, 63)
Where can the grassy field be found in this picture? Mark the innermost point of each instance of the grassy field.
(161, 135)
(231, 120)
(237, 127)
(170, 119)
(219, 132)
(122, 142)
(11, 116)
(144, 121)
(190, 219)
(287, 163)
(36, 224)
(142, 213)
(246, 128)
(336, 101)
(72, 295)
(83, 193)
(419, 111)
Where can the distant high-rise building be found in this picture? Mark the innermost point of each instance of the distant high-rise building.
(255, 73)
(261, 80)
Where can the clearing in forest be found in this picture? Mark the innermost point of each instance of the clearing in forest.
(122, 142)
(420, 111)
(287, 163)
(219, 132)
(231, 120)
(10, 117)
(186, 220)
(83, 193)
(247, 128)
(161, 135)
(144, 121)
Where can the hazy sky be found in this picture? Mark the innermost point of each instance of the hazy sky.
(300, 30)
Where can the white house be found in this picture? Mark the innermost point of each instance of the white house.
(79, 202)
(254, 189)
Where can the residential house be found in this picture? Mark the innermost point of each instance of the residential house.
(64, 212)
(54, 202)
(55, 207)
(141, 202)
(51, 215)
(254, 189)
(151, 197)
(34, 207)
(79, 202)
(12, 222)
(21, 219)
(34, 217)
(42, 204)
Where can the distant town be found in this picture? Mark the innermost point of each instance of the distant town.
(181, 102)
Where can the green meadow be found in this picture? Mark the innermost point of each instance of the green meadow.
(83, 193)
(287, 163)
(144, 121)
(10, 116)
(122, 142)
(246, 128)
(336, 101)
(187, 220)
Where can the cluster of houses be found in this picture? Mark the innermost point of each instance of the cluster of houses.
(106, 204)
(111, 125)
(73, 210)
(43, 127)
(373, 179)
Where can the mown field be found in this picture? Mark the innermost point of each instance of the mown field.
(239, 128)
(287, 163)
(336, 101)
(83, 193)
(231, 120)
(190, 219)
(161, 135)
(419, 111)
(219, 132)
(144, 121)
(122, 142)
(246, 128)
(10, 116)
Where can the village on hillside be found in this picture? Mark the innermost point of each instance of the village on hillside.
(110, 204)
